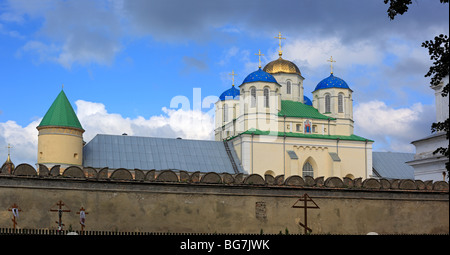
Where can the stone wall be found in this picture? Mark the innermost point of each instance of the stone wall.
(178, 201)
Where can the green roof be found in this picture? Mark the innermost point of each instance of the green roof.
(300, 110)
(61, 114)
(301, 135)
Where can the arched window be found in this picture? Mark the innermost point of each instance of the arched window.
(308, 170)
(266, 97)
(252, 97)
(341, 102)
(225, 113)
(327, 103)
(288, 87)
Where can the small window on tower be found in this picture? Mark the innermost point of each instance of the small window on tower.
(75, 155)
(288, 87)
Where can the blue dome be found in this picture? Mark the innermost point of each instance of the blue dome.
(307, 101)
(230, 94)
(332, 82)
(259, 75)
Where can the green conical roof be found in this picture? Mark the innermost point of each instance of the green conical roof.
(61, 114)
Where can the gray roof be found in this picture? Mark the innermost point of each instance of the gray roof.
(391, 165)
(146, 153)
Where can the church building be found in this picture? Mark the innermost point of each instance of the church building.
(266, 126)
(277, 130)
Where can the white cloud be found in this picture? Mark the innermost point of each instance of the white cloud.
(22, 139)
(172, 123)
(314, 52)
(393, 129)
(190, 124)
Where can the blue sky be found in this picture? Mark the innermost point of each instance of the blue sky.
(123, 62)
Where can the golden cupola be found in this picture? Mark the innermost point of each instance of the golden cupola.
(281, 66)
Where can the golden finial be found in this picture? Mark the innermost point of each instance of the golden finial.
(9, 149)
(8, 160)
(331, 63)
(232, 76)
(259, 57)
(280, 52)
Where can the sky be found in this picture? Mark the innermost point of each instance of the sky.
(155, 68)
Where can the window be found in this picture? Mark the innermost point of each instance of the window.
(308, 170)
(341, 102)
(266, 97)
(288, 87)
(314, 128)
(298, 127)
(253, 97)
(307, 127)
(327, 103)
(225, 113)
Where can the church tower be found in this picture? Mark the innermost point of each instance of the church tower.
(260, 101)
(287, 75)
(227, 109)
(60, 140)
(333, 97)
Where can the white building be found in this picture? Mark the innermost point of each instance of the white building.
(429, 166)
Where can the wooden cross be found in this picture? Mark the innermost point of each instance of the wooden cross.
(232, 76)
(82, 214)
(15, 210)
(331, 62)
(280, 52)
(259, 57)
(60, 211)
(305, 198)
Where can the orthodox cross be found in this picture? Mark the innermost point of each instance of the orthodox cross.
(259, 57)
(15, 211)
(82, 214)
(9, 148)
(279, 43)
(60, 212)
(305, 198)
(232, 76)
(331, 63)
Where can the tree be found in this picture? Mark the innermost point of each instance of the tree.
(439, 52)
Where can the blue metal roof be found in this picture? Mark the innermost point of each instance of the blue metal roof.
(391, 165)
(332, 82)
(232, 93)
(259, 75)
(307, 101)
(146, 153)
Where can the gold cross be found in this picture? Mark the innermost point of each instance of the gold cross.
(9, 148)
(232, 76)
(331, 62)
(259, 57)
(280, 52)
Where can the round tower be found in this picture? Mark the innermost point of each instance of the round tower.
(60, 140)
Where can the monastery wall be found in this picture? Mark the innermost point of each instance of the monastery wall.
(177, 201)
